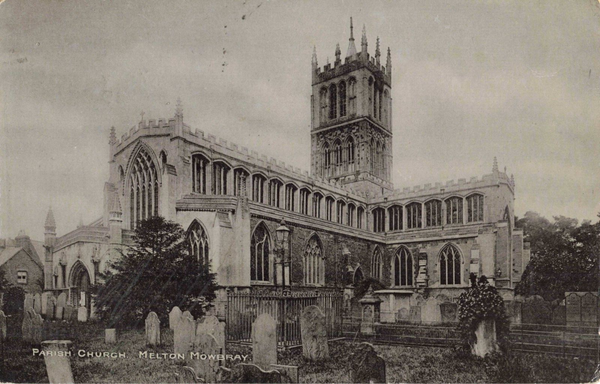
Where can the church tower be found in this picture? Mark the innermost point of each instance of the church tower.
(351, 130)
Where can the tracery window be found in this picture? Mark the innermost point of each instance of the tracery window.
(198, 242)
(143, 195)
(395, 217)
(316, 204)
(342, 95)
(240, 178)
(352, 95)
(433, 213)
(403, 268)
(450, 266)
(290, 197)
(199, 166)
(258, 188)
(329, 202)
(304, 199)
(377, 264)
(454, 210)
(351, 212)
(314, 265)
(475, 208)
(323, 101)
(340, 211)
(260, 254)
(350, 153)
(332, 101)
(378, 220)
(219, 181)
(337, 155)
(360, 214)
(326, 160)
(274, 192)
(413, 215)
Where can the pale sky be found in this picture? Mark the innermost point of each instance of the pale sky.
(472, 80)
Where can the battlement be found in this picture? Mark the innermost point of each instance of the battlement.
(153, 126)
(351, 64)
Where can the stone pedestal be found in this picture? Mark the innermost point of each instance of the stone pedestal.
(370, 310)
(486, 338)
(58, 364)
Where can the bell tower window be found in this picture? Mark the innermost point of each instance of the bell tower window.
(332, 101)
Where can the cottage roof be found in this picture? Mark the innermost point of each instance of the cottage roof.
(8, 253)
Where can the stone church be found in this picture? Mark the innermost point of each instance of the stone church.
(346, 220)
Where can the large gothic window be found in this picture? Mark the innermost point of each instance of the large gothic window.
(198, 242)
(413, 215)
(454, 210)
(240, 178)
(403, 268)
(259, 254)
(337, 155)
(377, 264)
(395, 217)
(449, 265)
(199, 166)
(219, 181)
(332, 101)
(342, 95)
(475, 208)
(143, 195)
(433, 213)
(314, 265)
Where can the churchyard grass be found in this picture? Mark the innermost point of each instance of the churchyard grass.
(404, 364)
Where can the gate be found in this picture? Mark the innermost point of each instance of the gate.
(285, 308)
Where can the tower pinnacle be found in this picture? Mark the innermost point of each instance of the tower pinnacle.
(377, 51)
(113, 136)
(179, 109)
(388, 63)
(351, 47)
(50, 224)
(314, 57)
(495, 166)
(363, 41)
(338, 52)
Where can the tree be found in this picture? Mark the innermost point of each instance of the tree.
(4, 284)
(564, 256)
(155, 274)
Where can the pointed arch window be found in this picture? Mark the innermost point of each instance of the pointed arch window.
(370, 96)
(260, 254)
(240, 178)
(258, 188)
(350, 153)
(352, 95)
(454, 210)
(198, 243)
(316, 204)
(274, 192)
(199, 167)
(474, 208)
(314, 265)
(219, 181)
(433, 213)
(337, 155)
(377, 264)
(360, 214)
(351, 212)
(326, 160)
(143, 195)
(403, 268)
(332, 101)
(323, 101)
(395, 217)
(378, 220)
(290, 197)
(340, 208)
(358, 276)
(450, 266)
(413, 215)
(304, 200)
(329, 202)
(342, 97)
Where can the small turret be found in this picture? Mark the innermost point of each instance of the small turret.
(49, 229)
(388, 63)
(363, 41)
(495, 166)
(338, 53)
(351, 47)
(314, 62)
(377, 53)
(178, 118)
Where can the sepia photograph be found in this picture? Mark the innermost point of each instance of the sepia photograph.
(299, 191)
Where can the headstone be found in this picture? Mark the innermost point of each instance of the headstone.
(45, 297)
(28, 301)
(366, 366)
(536, 310)
(68, 313)
(37, 303)
(485, 338)
(448, 312)
(402, 315)
(82, 314)
(367, 323)
(61, 301)
(110, 336)
(37, 326)
(314, 334)
(58, 364)
(415, 314)
(59, 315)
(573, 304)
(174, 317)
(185, 333)
(589, 308)
(2, 326)
(207, 369)
(152, 329)
(50, 307)
(559, 315)
(251, 373)
(264, 341)
(26, 327)
(212, 326)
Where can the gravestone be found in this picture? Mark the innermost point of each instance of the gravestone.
(291, 371)
(2, 326)
(415, 314)
(58, 364)
(37, 326)
(174, 317)
(589, 308)
(28, 303)
(45, 297)
(61, 301)
(365, 365)
(573, 304)
(50, 307)
(37, 303)
(559, 315)
(185, 333)
(212, 326)
(82, 314)
(367, 323)
(251, 373)
(27, 326)
(485, 338)
(208, 368)
(402, 315)
(264, 341)
(59, 314)
(314, 334)
(68, 313)
(536, 310)
(152, 329)
(449, 312)
(110, 336)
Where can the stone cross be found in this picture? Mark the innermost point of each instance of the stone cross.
(174, 317)
(314, 334)
(207, 368)
(365, 366)
(264, 341)
(2, 326)
(58, 364)
(212, 326)
(152, 329)
(185, 333)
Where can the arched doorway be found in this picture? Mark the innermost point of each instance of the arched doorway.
(80, 286)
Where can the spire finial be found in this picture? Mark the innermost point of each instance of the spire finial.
(314, 55)
(351, 47)
(50, 223)
(351, 30)
(388, 63)
(495, 166)
(377, 51)
(179, 109)
(363, 41)
(338, 52)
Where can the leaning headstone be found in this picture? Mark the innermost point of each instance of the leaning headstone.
(485, 338)
(2, 326)
(59, 313)
(291, 371)
(37, 303)
(69, 311)
(366, 366)
(264, 341)
(250, 373)
(174, 317)
(207, 368)
(314, 334)
(45, 297)
(212, 326)
(28, 301)
(185, 333)
(82, 314)
(50, 307)
(58, 364)
(61, 301)
(37, 326)
(110, 336)
(152, 329)
(26, 327)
